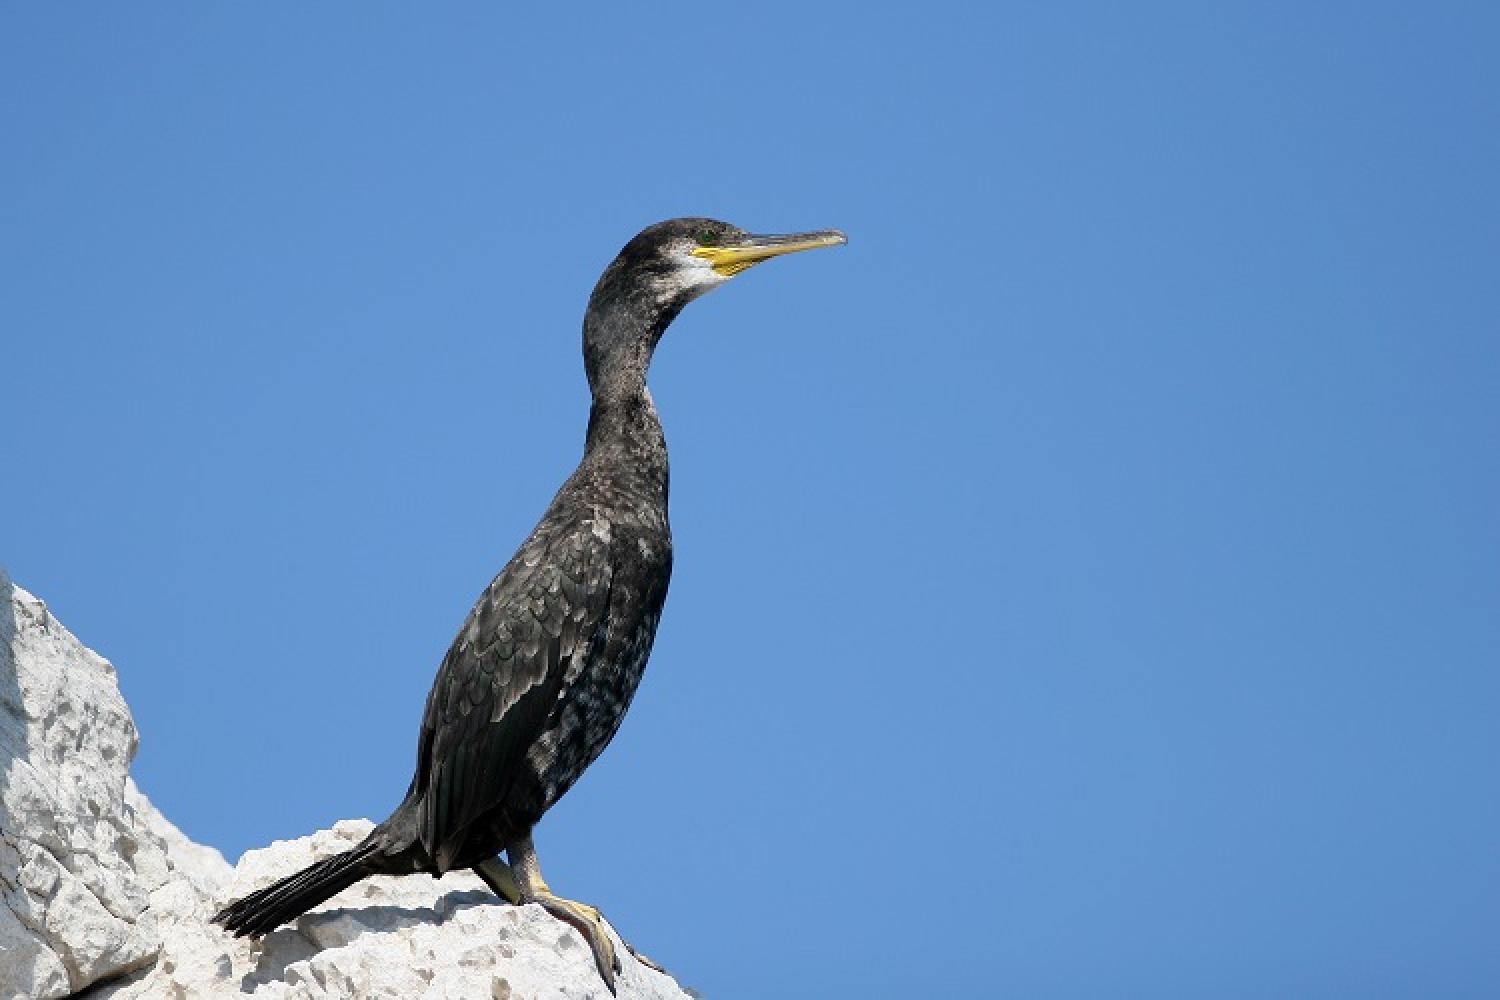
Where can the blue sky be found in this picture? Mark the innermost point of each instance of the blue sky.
(1088, 580)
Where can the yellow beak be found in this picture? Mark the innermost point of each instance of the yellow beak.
(732, 258)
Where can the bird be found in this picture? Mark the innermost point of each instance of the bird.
(539, 677)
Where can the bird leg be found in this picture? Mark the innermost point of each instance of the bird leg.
(585, 918)
(500, 880)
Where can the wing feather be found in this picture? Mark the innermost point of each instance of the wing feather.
(503, 678)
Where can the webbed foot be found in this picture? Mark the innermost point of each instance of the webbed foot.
(589, 922)
(526, 877)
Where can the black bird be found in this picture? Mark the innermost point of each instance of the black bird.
(542, 671)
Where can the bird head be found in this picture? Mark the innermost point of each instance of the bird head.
(678, 260)
(664, 268)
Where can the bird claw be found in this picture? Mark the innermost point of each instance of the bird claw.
(589, 922)
(648, 963)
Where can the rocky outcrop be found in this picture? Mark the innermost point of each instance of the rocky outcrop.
(82, 855)
(104, 897)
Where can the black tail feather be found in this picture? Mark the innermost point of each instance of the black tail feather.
(269, 908)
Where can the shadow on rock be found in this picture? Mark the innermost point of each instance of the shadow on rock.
(327, 929)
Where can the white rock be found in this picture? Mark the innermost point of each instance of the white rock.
(78, 864)
(101, 891)
(384, 937)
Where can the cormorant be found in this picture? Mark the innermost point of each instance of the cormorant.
(541, 673)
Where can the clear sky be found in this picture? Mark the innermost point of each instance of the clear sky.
(1088, 580)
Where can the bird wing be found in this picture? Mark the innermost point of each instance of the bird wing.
(499, 683)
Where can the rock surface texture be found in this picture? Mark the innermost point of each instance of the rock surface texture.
(103, 897)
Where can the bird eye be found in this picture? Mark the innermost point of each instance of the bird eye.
(707, 239)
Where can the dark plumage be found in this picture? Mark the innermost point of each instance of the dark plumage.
(539, 677)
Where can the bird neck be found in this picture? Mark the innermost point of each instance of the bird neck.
(624, 323)
(625, 320)
(625, 442)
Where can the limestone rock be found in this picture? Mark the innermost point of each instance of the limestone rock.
(80, 862)
(103, 895)
(384, 937)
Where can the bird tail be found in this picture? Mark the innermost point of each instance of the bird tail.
(269, 908)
